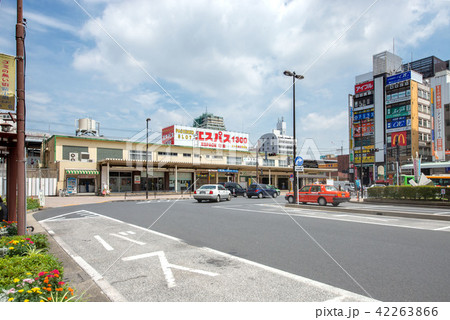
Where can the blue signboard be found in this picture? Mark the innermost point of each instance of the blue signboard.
(363, 115)
(398, 77)
(398, 123)
(227, 170)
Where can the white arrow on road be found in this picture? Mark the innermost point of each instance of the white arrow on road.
(167, 267)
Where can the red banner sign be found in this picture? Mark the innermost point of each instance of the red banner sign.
(364, 87)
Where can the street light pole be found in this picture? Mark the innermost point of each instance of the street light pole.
(294, 76)
(146, 163)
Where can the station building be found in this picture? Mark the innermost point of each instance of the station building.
(184, 161)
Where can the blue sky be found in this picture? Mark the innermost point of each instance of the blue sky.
(120, 62)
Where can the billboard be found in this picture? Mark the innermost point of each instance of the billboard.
(364, 129)
(398, 77)
(439, 124)
(364, 87)
(8, 82)
(398, 111)
(398, 139)
(398, 124)
(167, 136)
(363, 115)
(205, 138)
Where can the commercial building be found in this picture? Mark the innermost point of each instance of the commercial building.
(188, 159)
(396, 114)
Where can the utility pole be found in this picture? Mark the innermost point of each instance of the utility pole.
(20, 65)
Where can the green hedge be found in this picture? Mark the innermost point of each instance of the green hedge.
(409, 193)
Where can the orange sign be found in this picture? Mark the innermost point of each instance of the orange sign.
(398, 138)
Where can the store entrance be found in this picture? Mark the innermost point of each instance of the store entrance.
(86, 185)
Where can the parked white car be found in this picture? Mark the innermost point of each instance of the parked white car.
(212, 192)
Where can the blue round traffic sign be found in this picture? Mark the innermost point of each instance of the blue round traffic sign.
(298, 161)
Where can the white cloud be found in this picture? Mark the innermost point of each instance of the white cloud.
(229, 55)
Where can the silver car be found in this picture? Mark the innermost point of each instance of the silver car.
(212, 192)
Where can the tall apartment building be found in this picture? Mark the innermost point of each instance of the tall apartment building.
(393, 117)
(277, 141)
(209, 121)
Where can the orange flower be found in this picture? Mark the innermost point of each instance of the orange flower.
(59, 289)
(49, 298)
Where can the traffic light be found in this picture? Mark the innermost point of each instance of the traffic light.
(374, 150)
(272, 154)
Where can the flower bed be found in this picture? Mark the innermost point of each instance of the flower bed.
(27, 272)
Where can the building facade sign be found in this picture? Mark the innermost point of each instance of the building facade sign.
(364, 87)
(205, 138)
(398, 124)
(398, 77)
(364, 129)
(363, 115)
(399, 111)
(398, 139)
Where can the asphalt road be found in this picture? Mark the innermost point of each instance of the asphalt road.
(385, 258)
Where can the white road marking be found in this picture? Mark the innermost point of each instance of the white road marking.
(109, 290)
(351, 218)
(128, 239)
(82, 213)
(167, 267)
(442, 213)
(443, 228)
(103, 243)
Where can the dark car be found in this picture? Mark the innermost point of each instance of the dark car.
(261, 190)
(235, 189)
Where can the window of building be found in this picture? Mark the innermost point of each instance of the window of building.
(187, 155)
(172, 154)
(234, 160)
(140, 155)
(74, 151)
(109, 153)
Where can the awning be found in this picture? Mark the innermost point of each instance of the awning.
(79, 171)
(428, 165)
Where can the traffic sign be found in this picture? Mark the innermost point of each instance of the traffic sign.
(298, 161)
(299, 168)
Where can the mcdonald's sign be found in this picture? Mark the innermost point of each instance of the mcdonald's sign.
(398, 138)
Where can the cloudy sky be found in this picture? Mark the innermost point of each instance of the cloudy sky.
(120, 62)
